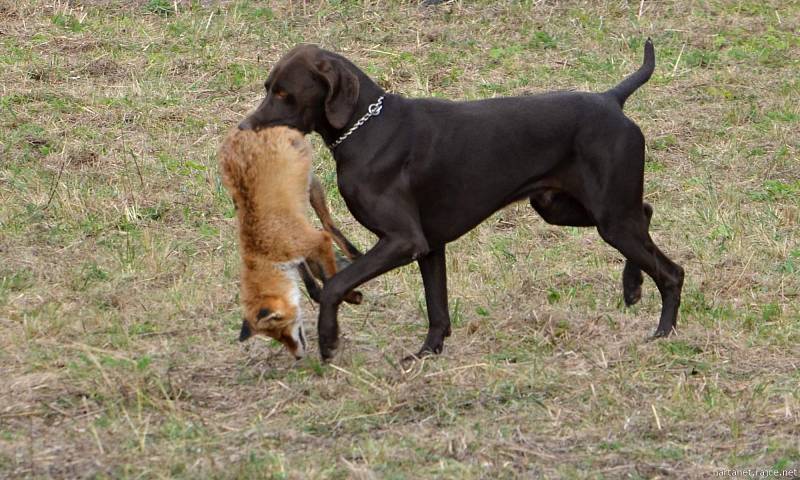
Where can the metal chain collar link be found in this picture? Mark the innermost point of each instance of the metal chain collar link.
(372, 111)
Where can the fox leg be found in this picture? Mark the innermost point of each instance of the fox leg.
(320, 206)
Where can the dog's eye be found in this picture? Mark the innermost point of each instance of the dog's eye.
(282, 94)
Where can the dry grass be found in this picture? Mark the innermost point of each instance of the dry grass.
(118, 294)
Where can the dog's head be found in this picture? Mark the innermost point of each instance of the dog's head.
(309, 89)
(277, 318)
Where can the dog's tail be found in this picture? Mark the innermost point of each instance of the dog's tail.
(638, 78)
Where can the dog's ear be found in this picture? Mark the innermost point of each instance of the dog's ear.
(340, 102)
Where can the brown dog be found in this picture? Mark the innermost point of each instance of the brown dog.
(420, 173)
(268, 174)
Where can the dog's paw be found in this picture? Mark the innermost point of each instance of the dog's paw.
(659, 333)
(632, 296)
(327, 350)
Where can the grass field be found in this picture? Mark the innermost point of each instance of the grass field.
(119, 270)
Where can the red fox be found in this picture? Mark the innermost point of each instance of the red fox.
(268, 174)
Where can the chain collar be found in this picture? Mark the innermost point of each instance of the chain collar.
(372, 111)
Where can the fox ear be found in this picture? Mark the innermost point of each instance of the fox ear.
(245, 333)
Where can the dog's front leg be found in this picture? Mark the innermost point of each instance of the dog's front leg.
(387, 254)
(433, 267)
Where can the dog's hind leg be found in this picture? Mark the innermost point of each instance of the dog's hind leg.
(559, 208)
(623, 220)
(628, 234)
(632, 274)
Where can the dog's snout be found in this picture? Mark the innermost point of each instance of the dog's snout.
(246, 124)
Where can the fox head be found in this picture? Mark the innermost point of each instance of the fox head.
(278, 318)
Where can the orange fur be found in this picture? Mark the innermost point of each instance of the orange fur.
(268, 173)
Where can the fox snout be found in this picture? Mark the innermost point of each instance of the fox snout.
(289, 331)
